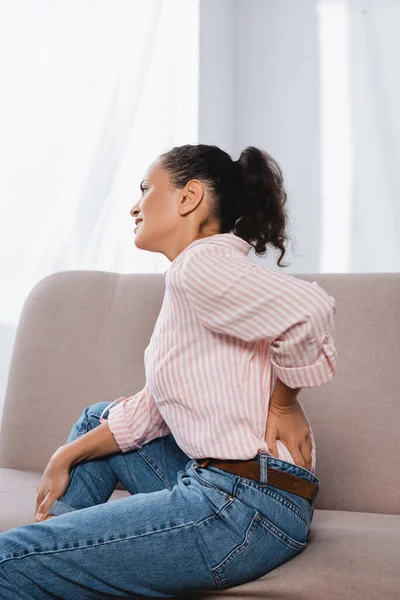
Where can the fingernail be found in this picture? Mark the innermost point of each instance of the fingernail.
(39, 516)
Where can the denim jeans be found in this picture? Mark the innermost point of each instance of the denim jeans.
(183, 529)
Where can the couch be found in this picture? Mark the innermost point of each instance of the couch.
(80, 340)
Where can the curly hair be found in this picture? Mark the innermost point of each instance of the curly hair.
(247, 196)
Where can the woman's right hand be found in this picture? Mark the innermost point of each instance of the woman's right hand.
(53, 484)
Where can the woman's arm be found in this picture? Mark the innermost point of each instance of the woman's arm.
(233, 296)
(93, 444)
(131, 423)
(288, 423)
(283, 395)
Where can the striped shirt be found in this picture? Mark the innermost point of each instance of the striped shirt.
(226, 329)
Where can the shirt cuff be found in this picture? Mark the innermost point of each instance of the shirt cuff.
(107, 408)
(313, 375)
(119, 428)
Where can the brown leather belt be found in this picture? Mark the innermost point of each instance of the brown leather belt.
(251, 469)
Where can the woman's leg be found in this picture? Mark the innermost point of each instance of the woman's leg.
(151, 468)
(146, 544)
(211, 529)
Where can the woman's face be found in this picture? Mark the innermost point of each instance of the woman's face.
(171, 216)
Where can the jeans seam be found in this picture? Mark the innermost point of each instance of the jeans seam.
(218, 513)
(279, 533)
(209, 485)
(153, 466)
(72, 509)
(237, 550)
(97, 543)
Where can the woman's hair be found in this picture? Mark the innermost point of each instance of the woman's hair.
(247, 196)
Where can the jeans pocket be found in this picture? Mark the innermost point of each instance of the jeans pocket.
(264, 547)
(204, 482)
(288, 511)
(297, 503)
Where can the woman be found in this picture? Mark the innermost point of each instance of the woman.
(215, 450)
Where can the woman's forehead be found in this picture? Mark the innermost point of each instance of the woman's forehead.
(155, 172)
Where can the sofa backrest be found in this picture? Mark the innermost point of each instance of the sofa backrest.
(81, 339)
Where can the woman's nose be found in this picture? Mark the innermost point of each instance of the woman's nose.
(134, 210)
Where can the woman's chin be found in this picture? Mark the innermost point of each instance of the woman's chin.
(138, 242)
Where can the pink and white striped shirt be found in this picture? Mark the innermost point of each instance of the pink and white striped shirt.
(226, 329)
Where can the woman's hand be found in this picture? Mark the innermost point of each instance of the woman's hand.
(289, 425)
(54, 482)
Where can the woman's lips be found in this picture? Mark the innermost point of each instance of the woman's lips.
(138, 225)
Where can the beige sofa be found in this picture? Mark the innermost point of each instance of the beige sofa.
(81, 339)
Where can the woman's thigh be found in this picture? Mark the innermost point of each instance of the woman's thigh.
(150, 468)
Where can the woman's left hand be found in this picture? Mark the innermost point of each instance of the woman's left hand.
(290, 425)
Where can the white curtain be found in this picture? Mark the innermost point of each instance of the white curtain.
(359, 49)
(92, 91)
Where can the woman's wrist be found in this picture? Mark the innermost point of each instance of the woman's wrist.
(96, 443)
(63, 456)
(283, 395)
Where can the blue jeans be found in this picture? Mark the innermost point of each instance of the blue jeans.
(183, 529)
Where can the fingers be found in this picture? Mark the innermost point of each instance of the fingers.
(301, 453)
(297, 456)
(309, 446)
(38, 503)
(44, 507)
(306, 452)
(40, 516)
(271, 442)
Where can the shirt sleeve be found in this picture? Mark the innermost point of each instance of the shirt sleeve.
(135, 421)
(234, 296)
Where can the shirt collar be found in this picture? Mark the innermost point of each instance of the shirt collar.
(230, 240)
